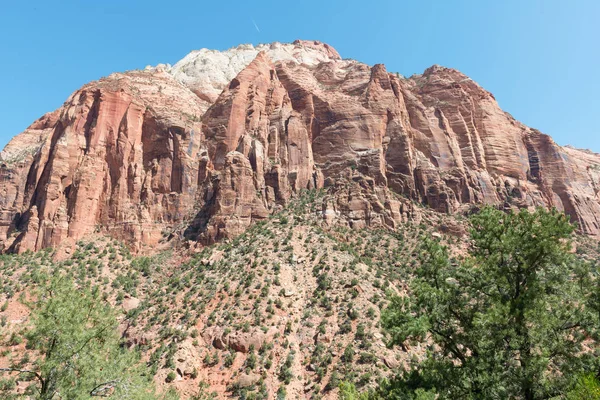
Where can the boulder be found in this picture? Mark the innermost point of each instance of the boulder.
(247, 380)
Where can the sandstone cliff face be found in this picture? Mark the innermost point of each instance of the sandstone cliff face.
(223, 139)
(208, 72)
(118, 156)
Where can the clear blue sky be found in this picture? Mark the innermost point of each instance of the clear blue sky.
(540, 58)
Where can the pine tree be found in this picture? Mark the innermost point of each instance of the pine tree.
(74, 334)
(508, 320)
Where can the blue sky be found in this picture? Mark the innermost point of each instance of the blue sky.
(540, 58)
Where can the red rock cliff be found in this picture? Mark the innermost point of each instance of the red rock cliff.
(139, 152)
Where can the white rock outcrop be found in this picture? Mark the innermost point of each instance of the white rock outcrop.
(207, 72)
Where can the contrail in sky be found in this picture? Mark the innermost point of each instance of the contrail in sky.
(256, 26)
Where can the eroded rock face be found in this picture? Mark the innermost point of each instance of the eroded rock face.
(15, 164)
(223, 139)
(207, 72)
(118, 156)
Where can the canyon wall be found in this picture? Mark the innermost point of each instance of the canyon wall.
(223, 139)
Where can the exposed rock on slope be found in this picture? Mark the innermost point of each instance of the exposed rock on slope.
(128, 154)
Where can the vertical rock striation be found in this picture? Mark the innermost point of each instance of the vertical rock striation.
(118, 156)
(225, 138)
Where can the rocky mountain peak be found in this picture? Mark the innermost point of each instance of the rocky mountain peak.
(207, 71)
(223, 139)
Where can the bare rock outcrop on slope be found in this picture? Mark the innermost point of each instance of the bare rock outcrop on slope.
(225, 138)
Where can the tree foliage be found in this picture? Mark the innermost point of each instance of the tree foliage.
(348, 391)
(587, 387)
(74, 337)
(512, 319)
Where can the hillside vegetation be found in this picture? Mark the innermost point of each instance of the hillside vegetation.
(297, 308)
